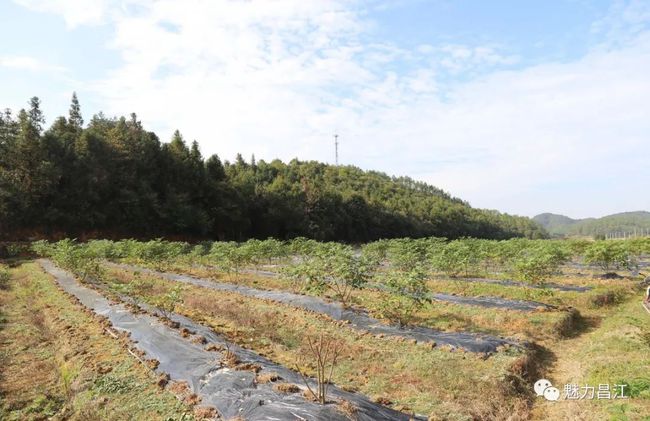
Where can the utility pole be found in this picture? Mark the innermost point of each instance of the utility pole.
(336, 149)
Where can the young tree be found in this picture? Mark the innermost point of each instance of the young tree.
(406, 294)
(307, 275)
(322, 353)
(75, 257)
(538, 263)
(609, 255)
(167, 303)
(131, 289)
(457, 257)
(230, 257)
(348, 273)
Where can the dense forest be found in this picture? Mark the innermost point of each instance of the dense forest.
(616, 224)
(114, 178)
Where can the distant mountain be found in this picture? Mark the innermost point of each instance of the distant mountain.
(560, 225)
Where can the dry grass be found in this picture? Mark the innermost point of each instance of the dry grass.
(205, 412)
(214, 347)
(612, 350)
(286, 388)
(230, 359)
(347, 408)
(181, 388)
(57, 360)
(535, 326)
(255, 368)
(541, 325)
(192, 399)
(417, 377)
(267, 378)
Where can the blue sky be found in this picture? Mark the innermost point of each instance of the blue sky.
(524, 107)
(534, 30)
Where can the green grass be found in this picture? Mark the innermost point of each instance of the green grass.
(615, 350)
(619, 353)
(581, 300)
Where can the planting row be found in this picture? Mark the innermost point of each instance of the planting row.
(524, 260)
(397, 295)
(415, 377)
(356, 319)
(235, 381)
(405, 302)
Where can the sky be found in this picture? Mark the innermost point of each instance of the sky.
(524, 107)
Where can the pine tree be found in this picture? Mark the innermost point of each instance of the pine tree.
(214, 168)
(113, 175)
(74, 116)
(35, 114)
(8, 129)
(178, 147)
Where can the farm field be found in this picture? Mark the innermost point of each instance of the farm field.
(400, 346)
(324, 210)
(58, 361)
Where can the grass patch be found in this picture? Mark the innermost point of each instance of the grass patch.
(613, 351)
(615, 290)
(56, 361)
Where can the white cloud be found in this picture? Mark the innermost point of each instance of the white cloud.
(75, 12)
(278, 78)
(625, 19)
(458, 58)
(27, 63)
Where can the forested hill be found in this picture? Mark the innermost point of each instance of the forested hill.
(114, 178)
(627, 222)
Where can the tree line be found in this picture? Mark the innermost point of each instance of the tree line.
(112, 178)
(398, 268)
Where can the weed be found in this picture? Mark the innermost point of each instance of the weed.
(4, 278)
(68, 374)
(115, 385)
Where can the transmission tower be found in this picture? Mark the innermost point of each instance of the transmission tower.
(336, 149)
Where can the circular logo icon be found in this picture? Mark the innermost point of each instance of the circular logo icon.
(551, 393)
(541, 385)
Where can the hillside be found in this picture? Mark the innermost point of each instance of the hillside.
(620, 222)
(116, 179)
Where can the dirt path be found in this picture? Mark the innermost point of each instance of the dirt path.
(613, 349)
(565, 370)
